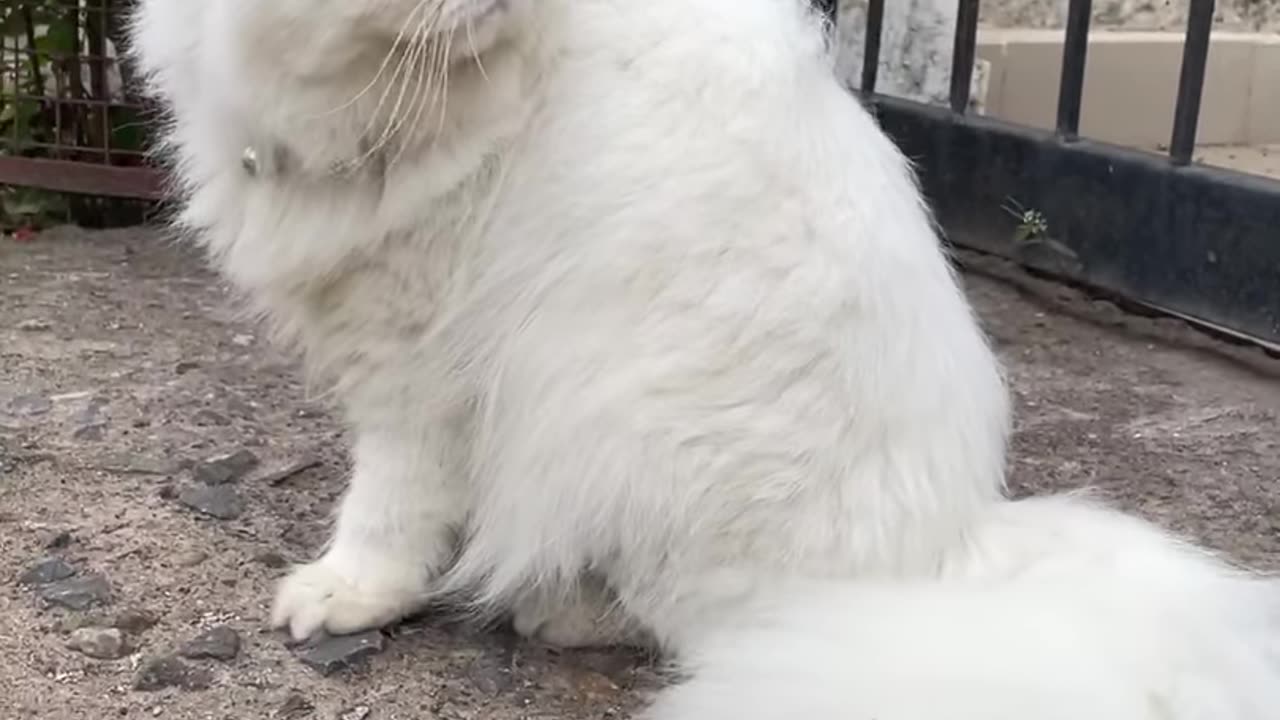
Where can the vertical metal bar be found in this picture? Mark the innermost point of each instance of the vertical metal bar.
(966, 50)
(1195, 56)
(871, 50)
(1075, 52)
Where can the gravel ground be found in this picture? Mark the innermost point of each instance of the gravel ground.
(159, 465)
(1240, 15)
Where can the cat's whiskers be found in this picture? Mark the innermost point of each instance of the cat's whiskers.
(382, 67)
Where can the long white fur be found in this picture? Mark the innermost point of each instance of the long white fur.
(637, 302)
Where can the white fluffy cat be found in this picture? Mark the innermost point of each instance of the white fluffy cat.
(636, 302)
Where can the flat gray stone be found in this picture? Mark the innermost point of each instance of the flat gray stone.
(49, 570)
(165, 672)
(225, 469)
(219, 501)
(219, 643)
(78, 593)
(99, 643)
(328, 655)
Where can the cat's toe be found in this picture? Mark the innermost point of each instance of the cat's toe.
(324, 597)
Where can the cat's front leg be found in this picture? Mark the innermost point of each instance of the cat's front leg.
(395, 532)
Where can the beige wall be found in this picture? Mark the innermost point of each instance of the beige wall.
(1131, 85)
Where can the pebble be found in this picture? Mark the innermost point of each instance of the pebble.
(225, 469)
(273, 560)
(288, 472)
(78, 593)
(219, 643)
(134, 621)
(29, 405)
(93, 432)
(186, 366)
(34, 325)
(329, 655)
(206, 418)
(99, 643)
(490, 675)
(295, 706)
(170, 672)
(134, 465)
(46, 571)
(191, 558)
(360, 712)
(59, 540)
(220, 501)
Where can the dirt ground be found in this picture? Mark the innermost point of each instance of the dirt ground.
(126, 378)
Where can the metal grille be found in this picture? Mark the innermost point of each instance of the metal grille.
(69, 121)
(1199, 243)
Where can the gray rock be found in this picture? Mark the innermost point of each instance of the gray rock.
(124, 464)
(273, 560)
(93, 432)
(288, 472)
(30, 405)
(99, 643)
(59, 540)
(225, 469)
(134, 621)
(46, 571)
(491, 675)
(295, 706)
(191, 558)
(359, 712)
(170, 672)
(78, 593)
(186, 366)
(220, 501)
(35, 325)
(206, 418)
(219, 643)
(328, 655)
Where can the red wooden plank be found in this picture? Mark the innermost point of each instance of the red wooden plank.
(82, 178)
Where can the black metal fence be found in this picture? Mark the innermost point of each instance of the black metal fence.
(1200, 243)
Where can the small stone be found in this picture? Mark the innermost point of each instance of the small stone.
(186, 366)
(60, 540)
(219, 643)
(209, 418)
(134, 465)
(225, 469)
(359, 712)
(170, 672)
(295, 706)
(220, 502)
(288, 472)
(191, 558)
(30, 405)
(92, 432)
(78, 593)
(490, 675)
(99, 643)
(134, 621)
(34, 325)
(328, 655)
(46, 571)
(273, 560)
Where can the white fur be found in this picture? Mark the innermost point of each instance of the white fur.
(635, 292)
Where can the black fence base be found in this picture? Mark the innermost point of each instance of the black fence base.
(1198, 242)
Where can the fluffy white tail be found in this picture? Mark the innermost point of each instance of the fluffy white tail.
(1056, 609)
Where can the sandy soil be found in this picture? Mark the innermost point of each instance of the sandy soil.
(124, 371)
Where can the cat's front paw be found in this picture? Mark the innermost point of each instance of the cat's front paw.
(343, 598)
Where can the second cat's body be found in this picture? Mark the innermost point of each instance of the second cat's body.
(637, 305)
